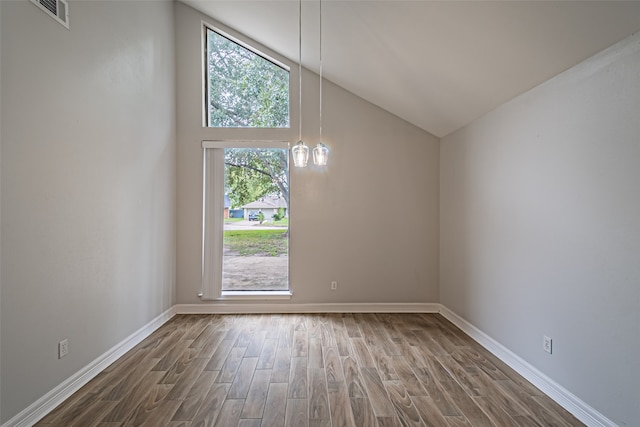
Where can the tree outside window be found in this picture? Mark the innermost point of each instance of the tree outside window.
(244, 88)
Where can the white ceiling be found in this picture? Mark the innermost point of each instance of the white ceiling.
(436, 64)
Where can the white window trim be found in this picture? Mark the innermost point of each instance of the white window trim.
(212, 223)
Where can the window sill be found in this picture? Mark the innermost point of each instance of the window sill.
(255, 295)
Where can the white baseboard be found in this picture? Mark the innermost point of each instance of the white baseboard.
(47, 403)
(239, 308)
(555, 391)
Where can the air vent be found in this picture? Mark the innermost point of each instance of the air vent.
(57, 9)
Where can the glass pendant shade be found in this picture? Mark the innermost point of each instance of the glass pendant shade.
(300, 154)
(320, 154)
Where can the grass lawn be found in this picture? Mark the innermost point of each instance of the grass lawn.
(256, 242)
(284, 222)
(231, 220)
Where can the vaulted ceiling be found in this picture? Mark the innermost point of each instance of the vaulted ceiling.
(436, 64)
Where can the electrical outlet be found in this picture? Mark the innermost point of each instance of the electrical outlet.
(334, 286)
(63, 348)
(547, 344)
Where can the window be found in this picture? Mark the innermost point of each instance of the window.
(244, 88)
(246, 217)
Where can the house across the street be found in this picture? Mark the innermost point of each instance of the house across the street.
(268, 205)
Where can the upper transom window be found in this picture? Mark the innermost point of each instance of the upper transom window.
(244, 89)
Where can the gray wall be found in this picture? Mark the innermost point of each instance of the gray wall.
(88, 185)
(376, 160)
(540, 228)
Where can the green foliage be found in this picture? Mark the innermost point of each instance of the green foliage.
(279, 216)
(261, 217)
(252, 173)
(245, 89)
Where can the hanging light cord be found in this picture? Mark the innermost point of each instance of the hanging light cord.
(320, 70)
(300, 70)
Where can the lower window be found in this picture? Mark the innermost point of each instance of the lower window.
(246, 220)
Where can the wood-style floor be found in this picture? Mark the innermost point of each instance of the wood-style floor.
(309, 370)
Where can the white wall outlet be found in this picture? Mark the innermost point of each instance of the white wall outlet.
(63, 348)
(334, 285)
(547, 344)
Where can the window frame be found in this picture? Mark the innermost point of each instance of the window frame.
(252, 48)
(213, 222)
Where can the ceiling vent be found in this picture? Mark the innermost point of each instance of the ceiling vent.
(57, 9)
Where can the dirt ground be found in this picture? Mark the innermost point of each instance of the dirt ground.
(255, 273)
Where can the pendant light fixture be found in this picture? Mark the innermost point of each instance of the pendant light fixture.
(320, 152)
(300, 151)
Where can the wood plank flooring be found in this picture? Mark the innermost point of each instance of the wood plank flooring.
(309, 371)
